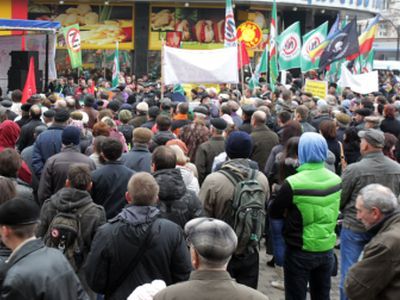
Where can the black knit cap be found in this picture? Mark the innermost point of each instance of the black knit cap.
(19, 211)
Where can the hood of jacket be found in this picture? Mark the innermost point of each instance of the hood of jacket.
(135, 214)
(9, 133)
(172, 186)
(68, 199)
(240, 167)
(162, 137)
(313, 148)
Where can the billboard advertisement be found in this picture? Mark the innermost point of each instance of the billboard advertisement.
(101, 26)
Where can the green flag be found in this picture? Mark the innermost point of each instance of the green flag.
(367, 62)
(72, 38)
(115, 73)
(289, 45)
(311, 40)
(273, 54)
(262, 67)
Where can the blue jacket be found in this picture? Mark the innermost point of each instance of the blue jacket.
(47, 144)
(138, 159)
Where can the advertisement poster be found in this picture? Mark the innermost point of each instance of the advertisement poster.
(101, 26)
(202, 28)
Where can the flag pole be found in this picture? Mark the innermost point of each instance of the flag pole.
(162, 68)
(241, 69)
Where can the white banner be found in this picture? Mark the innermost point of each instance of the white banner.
(200, 66)
(360, 83)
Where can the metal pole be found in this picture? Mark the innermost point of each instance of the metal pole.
(398, 43)
(46, 66)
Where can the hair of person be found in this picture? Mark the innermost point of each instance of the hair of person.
(163, 123)
(390, 142)
(125, 116)
(210, 264)
(303, 111)
(24, 231)
(389, 111)
(79, 176)
(183, 107)
(7, 188)
(379, 196)
(286, 95)
(259, 117)
(111, 149)
(98, 142)
(225, 109)
(284, 116)
(143, 189)
(164, 157)
(16, 96)
(101, 129)
(292, 128)
(10, 162)
(291, 148)
(35, 112)
(328, 129)
(181, 158)
(381, 100)
(110, 122)
(351, 136)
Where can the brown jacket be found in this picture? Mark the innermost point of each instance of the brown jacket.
(206, 284)
(264, 139)
(377, 275)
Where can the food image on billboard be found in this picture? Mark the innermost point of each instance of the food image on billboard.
(202, 28)
(101, 26)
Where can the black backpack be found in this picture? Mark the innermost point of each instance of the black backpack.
(64, 233)
(245, 213)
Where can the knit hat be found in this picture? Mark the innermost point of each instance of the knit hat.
(213, 239)
(19, 211)
(238, 145)
(142, 135)
(114, 105)
(71, 135)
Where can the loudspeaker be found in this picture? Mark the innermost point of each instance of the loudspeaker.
(17, 78)
(20, 59)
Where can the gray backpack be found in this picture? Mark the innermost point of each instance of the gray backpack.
(245, 213)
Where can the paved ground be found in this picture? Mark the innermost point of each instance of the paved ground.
(267, 274)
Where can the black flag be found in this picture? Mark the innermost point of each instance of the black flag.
(343, 44)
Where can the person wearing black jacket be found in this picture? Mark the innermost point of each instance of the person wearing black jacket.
(137, 246)
(110, 181)
(26, 137)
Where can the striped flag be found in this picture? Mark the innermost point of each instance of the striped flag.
(115, 73)
(230, 39)
(273, 57)
(317, 52)
(262, 67)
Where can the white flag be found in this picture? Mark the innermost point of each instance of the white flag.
(359, 83)
(200, 66)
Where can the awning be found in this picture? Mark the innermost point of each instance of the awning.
(29, 25)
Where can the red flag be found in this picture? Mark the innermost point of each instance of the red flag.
(30, 83)
(243, 56)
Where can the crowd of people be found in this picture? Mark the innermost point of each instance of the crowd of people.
(136, 193)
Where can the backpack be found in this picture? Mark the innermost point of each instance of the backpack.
(64, 233)
(245, 213)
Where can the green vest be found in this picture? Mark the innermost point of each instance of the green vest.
(316, 194)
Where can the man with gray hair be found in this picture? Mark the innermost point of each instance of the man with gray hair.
(376, 275)
(212, 243)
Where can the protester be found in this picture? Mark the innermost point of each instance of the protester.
(138, 158)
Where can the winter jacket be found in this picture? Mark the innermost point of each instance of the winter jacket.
(117, 242)
(264, 139)
(55, 170)
(110, 185)
(160, 139)
(68, 200)
(373, 168)
(36, 272)
(26, 137)
(138, 159)
(391, 125)
(47, 144)
(376, 275)
(176, 202)
(205, 155)
(310, 201)
(9, 133)
(189, 179)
